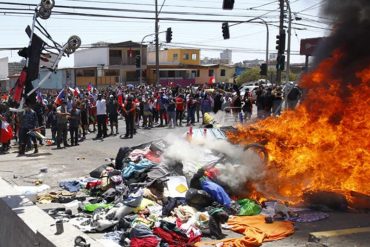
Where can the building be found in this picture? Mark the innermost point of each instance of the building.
(226, 56)
(3, 73)
(109, 63)
(218, 72)
(178, 66)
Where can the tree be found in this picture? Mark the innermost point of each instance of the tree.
(251, 74)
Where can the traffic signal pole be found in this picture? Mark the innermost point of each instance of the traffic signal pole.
(156, 44)
(281, 30)
(289, 40)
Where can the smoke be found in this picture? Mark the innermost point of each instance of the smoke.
(350, 35)
(240, 166)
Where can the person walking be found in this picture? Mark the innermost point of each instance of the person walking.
(101, 115)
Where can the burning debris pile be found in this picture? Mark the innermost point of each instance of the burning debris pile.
(324, 145)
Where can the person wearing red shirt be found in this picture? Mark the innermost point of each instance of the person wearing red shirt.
(179, 109)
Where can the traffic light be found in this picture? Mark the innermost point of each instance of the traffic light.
(263, 68)
(137, 61)
(280, 42)
(169, 35)
(228, 4)
(280, 62)
(225, 30)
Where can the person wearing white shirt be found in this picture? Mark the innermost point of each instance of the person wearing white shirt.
(101, 115)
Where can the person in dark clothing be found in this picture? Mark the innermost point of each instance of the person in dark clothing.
(52, 122)
(267, 103)
(112, 110)
(180, 102)
(74, 122)
(293, 96)
(217, 103)
(129, 113)
(84, 119)
(259, 101)
(277, 101)
(29, 122)
(247, 105)
(237, 105)
(62, 119)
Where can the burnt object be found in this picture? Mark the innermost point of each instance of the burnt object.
(325, 200)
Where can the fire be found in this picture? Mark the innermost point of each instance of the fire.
(324, 144)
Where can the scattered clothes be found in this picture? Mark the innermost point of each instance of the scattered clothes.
(136, 167)
(198, 199)
(255, 231)
(309, 216)
(216, 191)
(138, 154)
(153, 157)
(32, 190)
(173, 236)
(248, 207)
(171, 203)
(217, 217)
(92, 207)
(71, 186)
(144, 242)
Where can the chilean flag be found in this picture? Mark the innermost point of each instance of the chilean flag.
(60, 97)
(77, 92)
(6, 132)
(89, 87)
(212, 80)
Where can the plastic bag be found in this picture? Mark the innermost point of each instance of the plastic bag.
(249, 207)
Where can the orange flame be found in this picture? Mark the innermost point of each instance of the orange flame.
(323, 145)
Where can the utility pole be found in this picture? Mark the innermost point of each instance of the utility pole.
(267, 41)
(281, 30)
(156, 44)
(289, 40)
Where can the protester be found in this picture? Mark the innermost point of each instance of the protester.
(29, 122)
(129, 113)
(179, 109)
(101, 114)
(74, 123)
(62, 120)
(171, 111)
(112, 110)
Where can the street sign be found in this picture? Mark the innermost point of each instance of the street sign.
(308, 46)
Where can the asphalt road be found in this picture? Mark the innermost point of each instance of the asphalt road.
(78, 161)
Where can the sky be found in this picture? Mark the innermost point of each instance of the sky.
(247, 40)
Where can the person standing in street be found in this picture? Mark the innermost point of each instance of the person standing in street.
(62, 119)
(74, 122)
(179, 109)
(112, 108)
(129, 113)
(171, 111)
(29, 122)
(101, 115)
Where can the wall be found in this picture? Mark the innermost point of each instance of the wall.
(229, 73)
(190, 60)
(3, 68)
(56, 80)
(91, 57)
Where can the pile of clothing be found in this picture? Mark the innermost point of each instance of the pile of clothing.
(142, 199)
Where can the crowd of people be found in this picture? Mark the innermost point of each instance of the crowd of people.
(82, 111)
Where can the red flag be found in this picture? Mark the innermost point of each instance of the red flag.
(212, 80)
(89, 87)
(17, 90)
(6, 133)
(120, 99)
(77, 92)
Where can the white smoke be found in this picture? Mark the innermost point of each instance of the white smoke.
(241, 165)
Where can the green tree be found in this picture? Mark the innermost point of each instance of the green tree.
(250, 74)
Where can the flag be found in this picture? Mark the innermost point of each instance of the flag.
(89, 87)
(6, 133)
(17, 90)
(39, 98)
(60, 97)
(77, 92)
(72, 91)
(212, 80)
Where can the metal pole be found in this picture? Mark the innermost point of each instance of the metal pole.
(267, 41)
(289, 40)
(156, 44)
(281, 30)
